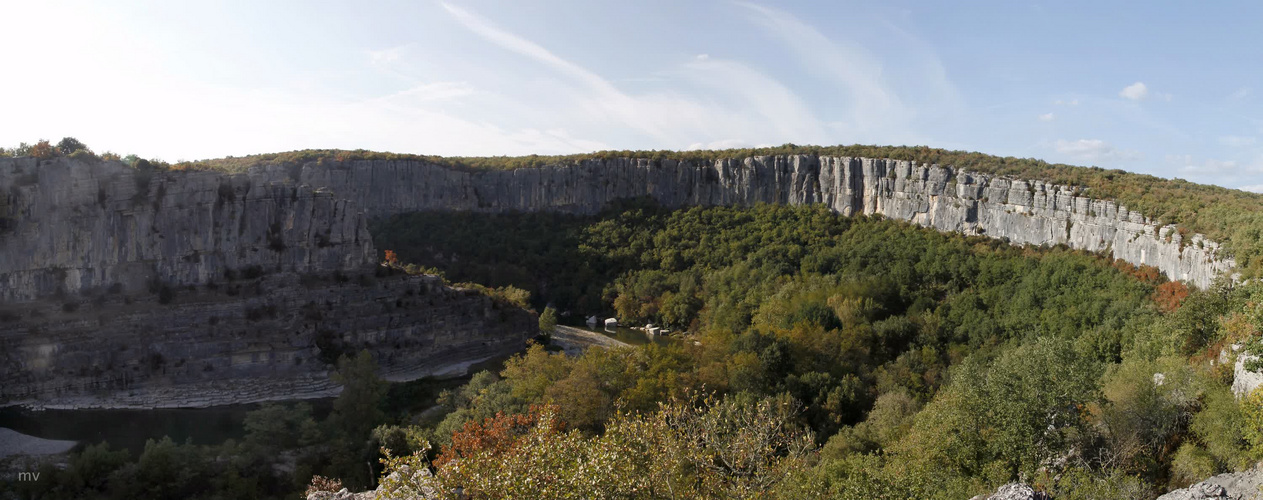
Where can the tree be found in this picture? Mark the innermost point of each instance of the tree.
(69, 145)
(548, 321)
(275, 427)
(43, 150)
(357, 410)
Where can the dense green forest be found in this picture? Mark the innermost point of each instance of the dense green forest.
(919, 364)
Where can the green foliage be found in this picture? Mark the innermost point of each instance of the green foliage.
(357, 410)
(735, 447)
(1252, 422)
(1146, 404)
(276, 427)
(1002, 419)
(548, 321)
(1219, 428)
(69, 145)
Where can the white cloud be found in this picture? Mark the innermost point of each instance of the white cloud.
(1237, 141)
(703, 57)
(1047, 117)
(1256, 188)
(1206, 167)
(1094, 150)
(1135, 91)
(1239, 94)
(720, 144)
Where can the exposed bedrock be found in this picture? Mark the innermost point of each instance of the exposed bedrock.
(69, 226)
(246, 340)
(1024, 212)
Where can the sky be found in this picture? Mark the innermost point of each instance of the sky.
(1170, 90)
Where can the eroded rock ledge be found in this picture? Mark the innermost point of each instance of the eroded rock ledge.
(245, 341)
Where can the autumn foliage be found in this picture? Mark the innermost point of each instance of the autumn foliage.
(43, 150)
(1170, 295)
(499, 434)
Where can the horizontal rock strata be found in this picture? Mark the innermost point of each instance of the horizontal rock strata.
(244, 341)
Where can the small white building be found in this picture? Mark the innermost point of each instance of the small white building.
(593, 320)
(611, 322)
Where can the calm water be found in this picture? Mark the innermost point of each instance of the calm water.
(205, 426)
(130, 428)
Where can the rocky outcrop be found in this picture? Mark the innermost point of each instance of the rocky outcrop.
(1023, 212)
(1014, 491)
(1244, 381)
(1246, 485)
(272, 337)
(68, 227)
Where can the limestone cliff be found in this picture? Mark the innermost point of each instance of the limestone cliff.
(1024, 212)
(126, 288)
(68, 226)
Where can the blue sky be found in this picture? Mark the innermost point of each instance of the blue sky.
(1174, 91)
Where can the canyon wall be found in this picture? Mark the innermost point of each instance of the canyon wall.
(122, 287)
(69, 226)
(245, 340)
(1024, 212)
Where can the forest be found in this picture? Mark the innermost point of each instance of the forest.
(860, 357)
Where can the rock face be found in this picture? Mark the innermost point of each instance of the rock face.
(1014, 491)
(247, 340)
(126, 288)
(1246, 485)
(943, 198)
(69, 227)
(1245, 381)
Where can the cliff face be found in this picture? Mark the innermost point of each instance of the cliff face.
(69, 227)
(943, 198)
(246, 340)
(120, 288)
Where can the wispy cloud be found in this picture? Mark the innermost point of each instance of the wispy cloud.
(876, 110)
(1211, 167)
(712, 100)
(1047, 117)
(1094, 150)
(1237, 141)
(1254, 188)
(609, 97)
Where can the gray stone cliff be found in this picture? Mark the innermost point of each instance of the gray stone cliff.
(272, 337)
(68, 226)
(1024, 212)
(126, 288)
